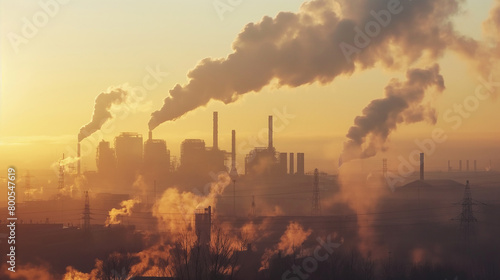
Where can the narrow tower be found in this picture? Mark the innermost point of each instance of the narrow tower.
(233, 173)
(86, 214)
(316, 205)
(467, 219)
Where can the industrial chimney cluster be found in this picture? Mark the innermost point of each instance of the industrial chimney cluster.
(130, 156)
(267, 161)
(460, 167)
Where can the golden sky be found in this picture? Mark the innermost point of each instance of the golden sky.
(50, 81)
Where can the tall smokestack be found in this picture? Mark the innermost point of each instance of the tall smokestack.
(150, 135)
(216, 131)
(79, 159)
(422, 166)
(233, 172)
(292, 168)
(270, 133)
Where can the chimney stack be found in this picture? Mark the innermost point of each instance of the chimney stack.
(292, 167)
(150, 135)
(233, 173)
(216, 131)
(270, 133)
(422, 166)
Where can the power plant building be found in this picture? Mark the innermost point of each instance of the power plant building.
(300, 163)
(105, 160)
(128, 148)
(192, 154)
(156, 159)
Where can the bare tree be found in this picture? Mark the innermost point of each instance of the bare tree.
(115, 267)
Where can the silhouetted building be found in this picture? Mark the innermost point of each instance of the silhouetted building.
(260, 161)
(203, 225)
(106, 161)
(192, 153)
(292, 163)
(128, 148)
(156, 160)
(300, 163)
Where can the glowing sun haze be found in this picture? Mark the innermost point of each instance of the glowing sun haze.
(50, 83)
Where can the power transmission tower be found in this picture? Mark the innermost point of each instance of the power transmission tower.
(316, 206)
(467, 219)
(86, 214)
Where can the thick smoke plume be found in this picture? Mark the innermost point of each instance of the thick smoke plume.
(126, 210)
(175, 209)
(103, 103)
(492, 24)
(290, 241)
(403, 104)
(295, 49)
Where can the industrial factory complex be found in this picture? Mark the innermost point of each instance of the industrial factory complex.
(119, 164)
(140, 196)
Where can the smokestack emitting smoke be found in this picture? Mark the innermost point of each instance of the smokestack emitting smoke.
(103, 103)
(404, 103)
(270, 133)
(325, 39)
(216, 131)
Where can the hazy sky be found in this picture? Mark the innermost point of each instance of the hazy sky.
(50, 81)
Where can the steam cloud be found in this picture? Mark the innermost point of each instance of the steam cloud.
(301, 48)
(403, 104)
(292, 238)
(184, 205)
(126, 210)
(103, 103)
